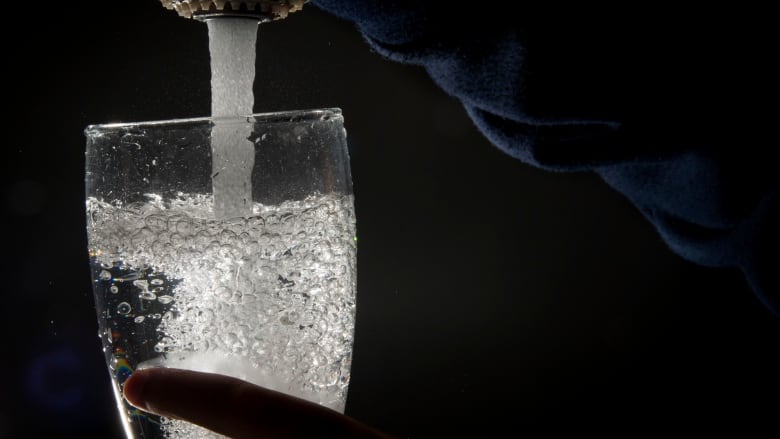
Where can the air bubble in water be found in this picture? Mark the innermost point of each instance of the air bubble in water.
(123, 308)
(114, 289)
(290, 318)
(277, 305)
(224, 293)
(156, 222)
(139, 319)
(104, 275)
(130, 276)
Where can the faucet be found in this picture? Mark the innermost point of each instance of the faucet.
(262, 10)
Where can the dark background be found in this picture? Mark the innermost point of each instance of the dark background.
(492, 295)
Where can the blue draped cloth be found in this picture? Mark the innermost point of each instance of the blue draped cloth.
(665, 105)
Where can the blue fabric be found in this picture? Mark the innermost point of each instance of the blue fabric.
(663, 105)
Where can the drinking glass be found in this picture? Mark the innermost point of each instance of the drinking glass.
(224, 245)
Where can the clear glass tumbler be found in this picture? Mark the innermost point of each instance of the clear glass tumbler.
(227, 246)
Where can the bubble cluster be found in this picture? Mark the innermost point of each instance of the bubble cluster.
(272, 295)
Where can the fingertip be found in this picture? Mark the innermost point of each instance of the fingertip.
(134, 389)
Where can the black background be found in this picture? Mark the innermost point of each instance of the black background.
(491, 295)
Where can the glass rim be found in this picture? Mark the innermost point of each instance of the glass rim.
(303, 115)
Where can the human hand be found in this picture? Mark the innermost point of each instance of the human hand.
(237, 408)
